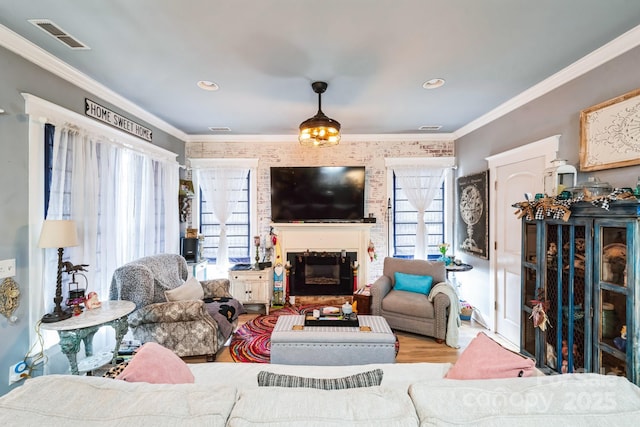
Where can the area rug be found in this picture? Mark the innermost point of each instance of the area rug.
(251, 343)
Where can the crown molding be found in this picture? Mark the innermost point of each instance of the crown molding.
(398, 137)
(609, 51)
(29, 51)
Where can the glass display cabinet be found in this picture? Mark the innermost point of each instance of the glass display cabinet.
(582, 272)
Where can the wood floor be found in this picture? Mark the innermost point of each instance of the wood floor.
(413, 348)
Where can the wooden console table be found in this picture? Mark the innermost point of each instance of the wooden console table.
(83, 328)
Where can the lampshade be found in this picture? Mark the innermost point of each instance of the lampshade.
(58, 233)
(319, 130)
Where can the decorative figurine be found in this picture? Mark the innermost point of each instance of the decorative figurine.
(621, 341)
(92, 301)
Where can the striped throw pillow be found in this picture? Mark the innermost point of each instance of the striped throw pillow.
(363, 379)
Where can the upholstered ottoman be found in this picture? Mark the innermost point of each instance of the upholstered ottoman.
(332, 345)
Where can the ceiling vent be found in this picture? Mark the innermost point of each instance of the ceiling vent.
(55, 31)
(430, 128)
(219, 129)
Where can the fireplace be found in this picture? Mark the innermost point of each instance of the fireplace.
(321, 273)
(300, 238)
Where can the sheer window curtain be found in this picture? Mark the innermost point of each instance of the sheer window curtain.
(222, 187)
(125, 205)
(420, 186)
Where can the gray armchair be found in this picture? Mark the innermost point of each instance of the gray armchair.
(190, 327)
(409, 311)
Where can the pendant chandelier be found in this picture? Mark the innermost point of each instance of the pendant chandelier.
(319, 130)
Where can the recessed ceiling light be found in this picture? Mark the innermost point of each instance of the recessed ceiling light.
(207, 85)
(433, 83)
(1, 110)
(219, 129)
(430, 127)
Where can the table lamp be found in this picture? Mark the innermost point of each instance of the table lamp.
(58, 234)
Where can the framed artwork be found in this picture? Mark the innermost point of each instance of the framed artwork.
(473, 214)
(610, 133)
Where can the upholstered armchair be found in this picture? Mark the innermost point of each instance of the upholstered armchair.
(418, 312)
(189, 327)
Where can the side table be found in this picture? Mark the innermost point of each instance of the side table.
(83, 328)
(364, 303)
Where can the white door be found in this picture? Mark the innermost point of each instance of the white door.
(513, 181)
(513, 174)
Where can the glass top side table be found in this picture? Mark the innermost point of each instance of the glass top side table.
(83, 327)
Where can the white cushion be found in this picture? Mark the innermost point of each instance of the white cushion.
(571, 399)
(278, 406)
(52, 401)
(191, 289)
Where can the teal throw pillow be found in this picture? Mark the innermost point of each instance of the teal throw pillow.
(413, 283)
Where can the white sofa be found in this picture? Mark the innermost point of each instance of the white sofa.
(414, 394)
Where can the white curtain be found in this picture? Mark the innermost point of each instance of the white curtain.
(222, 189)
(420, 185)
(125, 205)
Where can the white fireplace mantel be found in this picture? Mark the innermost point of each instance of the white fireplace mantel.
(327, 237)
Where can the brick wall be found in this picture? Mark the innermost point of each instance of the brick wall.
(371, 154)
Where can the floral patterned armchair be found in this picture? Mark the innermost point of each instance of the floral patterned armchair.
(189, 327)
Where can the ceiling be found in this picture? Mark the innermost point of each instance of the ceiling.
(374, 54)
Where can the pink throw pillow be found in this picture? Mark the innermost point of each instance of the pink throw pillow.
(156, 364)
(485, 359)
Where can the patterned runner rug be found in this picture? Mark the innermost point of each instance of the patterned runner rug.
(252, 341)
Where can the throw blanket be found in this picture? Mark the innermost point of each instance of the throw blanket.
(453, 322)
(224, 311)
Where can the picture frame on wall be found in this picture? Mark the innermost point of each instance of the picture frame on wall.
(473, 214)
(610, 133)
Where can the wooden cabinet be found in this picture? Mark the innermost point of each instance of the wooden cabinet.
(252, 286)
(584, 270)
(364, 303)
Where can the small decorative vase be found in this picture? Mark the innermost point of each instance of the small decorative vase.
(445, 259)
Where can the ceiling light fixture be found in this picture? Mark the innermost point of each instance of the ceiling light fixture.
(207, 85)
(319, 130)
(433, 83)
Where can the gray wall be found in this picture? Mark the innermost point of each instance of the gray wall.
(19, 75)
(557, 112)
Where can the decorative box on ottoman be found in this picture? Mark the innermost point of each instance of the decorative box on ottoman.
(295, 344)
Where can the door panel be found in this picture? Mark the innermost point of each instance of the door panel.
(514, 180)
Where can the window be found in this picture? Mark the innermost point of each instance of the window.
(238, 229)
(404, 223)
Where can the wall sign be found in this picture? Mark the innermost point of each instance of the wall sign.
(610, 133)
(98, 112)
(473, 215)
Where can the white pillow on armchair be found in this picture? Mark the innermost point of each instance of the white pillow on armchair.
(190, 289)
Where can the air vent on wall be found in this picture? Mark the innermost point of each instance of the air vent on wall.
(55, 31)
(219, 129)
(431, 127)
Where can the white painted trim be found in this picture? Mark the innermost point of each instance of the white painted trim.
(44, 111)
(440, 162)
(346, 138)
(548, 145)
(36, 218)
(29, 51)
(549, 148)
(199, 163)
(613, 49)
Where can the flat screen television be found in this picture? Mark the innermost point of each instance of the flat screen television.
(317, 194)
